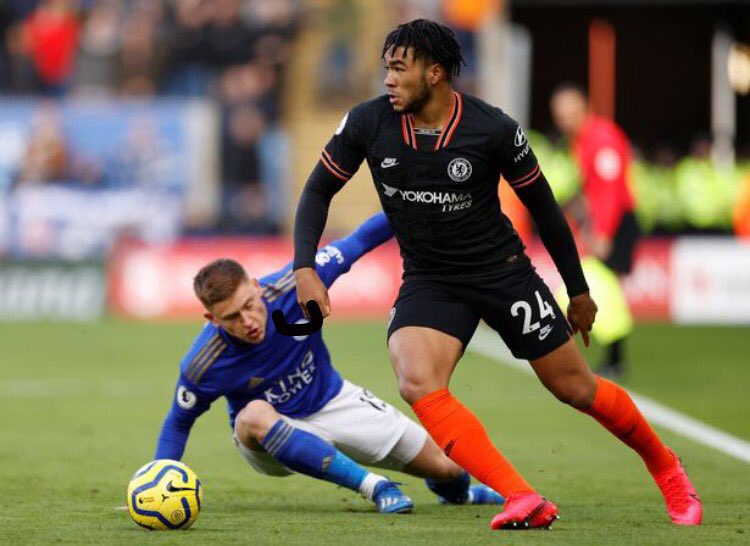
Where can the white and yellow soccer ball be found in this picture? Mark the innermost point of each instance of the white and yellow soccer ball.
(165, 495)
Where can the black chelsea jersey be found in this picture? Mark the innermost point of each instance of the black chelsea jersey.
(442, 203)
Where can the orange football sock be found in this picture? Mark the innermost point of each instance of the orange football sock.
(463, 438)
(616, 411)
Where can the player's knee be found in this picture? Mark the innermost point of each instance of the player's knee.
(415, 378)
(415, 386)
(411, 390)
(255, 420)
(574, 390)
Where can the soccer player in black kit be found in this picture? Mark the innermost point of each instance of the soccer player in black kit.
(436, 157)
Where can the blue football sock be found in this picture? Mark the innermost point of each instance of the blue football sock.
(455, 492)
(310, 455)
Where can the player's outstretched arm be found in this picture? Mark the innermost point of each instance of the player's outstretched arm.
(312, 214)
(173, 437)
(555, 233)
(187, 406)
(371, 233)
(338, 257)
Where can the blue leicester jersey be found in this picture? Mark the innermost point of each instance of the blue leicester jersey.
(294, 374)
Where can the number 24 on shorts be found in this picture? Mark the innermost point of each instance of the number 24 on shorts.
(545, 310)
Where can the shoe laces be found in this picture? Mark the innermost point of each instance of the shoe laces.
(388, 485)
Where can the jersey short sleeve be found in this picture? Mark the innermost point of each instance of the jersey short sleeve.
(345, 152)
(516, 159)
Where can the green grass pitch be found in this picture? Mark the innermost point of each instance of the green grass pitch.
(81, 406)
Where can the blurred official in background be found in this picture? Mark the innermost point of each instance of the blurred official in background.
(604, 212)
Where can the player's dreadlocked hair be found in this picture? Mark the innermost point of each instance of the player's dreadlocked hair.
(431, 41)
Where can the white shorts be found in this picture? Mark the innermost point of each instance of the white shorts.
(358, 424)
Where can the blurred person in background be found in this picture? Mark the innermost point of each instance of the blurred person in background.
(231, 52)
(188, 71)
(48, 157)
(338, 67)
(242, 87)
(236, 51)
(245, 197)
(705, 191)
(9, 13)
(97, 70)
(143, 158)
(47, 41)
(228, 37)
(467, 17)
(143, 48)
(604, 211)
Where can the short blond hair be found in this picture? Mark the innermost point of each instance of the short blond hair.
(218, 280)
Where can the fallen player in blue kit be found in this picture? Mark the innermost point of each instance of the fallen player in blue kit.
(289, 408)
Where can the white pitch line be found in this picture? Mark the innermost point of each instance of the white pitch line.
(487, 343)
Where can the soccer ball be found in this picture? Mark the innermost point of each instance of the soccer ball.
(164, 495)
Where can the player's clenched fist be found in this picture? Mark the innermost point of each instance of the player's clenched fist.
(581, 314)
(310, 287)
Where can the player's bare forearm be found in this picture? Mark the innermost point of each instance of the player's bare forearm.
(311, 288)
(581, 315)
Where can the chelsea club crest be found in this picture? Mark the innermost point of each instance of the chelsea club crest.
(459, 169)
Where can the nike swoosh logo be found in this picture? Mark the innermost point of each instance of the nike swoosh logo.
(543, 335)
(386, 164)
(172, 489)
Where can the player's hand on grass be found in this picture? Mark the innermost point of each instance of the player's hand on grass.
(581, 314)
(311, 288)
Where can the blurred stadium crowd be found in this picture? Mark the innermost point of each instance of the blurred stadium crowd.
(127, 143)
(94, 51)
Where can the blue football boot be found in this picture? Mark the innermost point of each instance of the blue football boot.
(460, 491)
(390, 500)
(481, 494)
